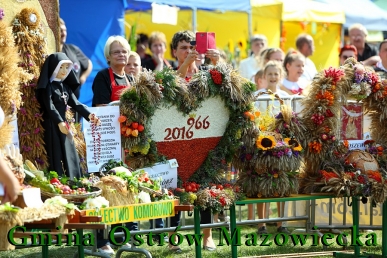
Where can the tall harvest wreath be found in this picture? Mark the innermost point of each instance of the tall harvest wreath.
(329, 166)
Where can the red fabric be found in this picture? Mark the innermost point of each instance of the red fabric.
(116, 89)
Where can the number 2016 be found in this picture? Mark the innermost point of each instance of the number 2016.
(186, 133)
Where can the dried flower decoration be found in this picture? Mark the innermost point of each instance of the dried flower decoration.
(1, 13)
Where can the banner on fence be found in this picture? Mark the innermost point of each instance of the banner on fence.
(135, 212)
(338, 209)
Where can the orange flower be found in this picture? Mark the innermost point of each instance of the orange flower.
(315, 146)
(346, 143)
(374, 175)
(249, 115)
(327, 95)
(376, 87)
(328, 175)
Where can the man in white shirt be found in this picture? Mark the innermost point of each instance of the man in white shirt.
(249, 67)
(305, 46)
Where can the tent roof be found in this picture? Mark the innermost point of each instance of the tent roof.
(222, 5)
(312, 11)
(361, 11)
(381, 3)
(305, 10)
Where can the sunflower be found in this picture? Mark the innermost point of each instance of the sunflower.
(265, 142)
(296, 145)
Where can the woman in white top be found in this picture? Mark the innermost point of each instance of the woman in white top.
(294, 64)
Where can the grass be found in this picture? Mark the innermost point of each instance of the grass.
(222, 251)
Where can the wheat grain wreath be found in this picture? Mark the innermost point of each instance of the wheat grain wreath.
(329, 166)
(199, 123)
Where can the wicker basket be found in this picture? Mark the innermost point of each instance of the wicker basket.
(74, 197)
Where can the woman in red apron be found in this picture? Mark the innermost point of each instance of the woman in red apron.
(110, 82)
(107, 87)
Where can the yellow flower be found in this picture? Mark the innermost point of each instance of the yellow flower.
(242, 43)
(266, 142)
(275, 175)
(294, 143)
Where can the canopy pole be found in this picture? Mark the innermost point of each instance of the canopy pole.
(250, 23)
(194, 19)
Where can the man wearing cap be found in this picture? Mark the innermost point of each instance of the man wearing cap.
(249, 67)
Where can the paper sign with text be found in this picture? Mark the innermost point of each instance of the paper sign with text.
(356, 145)
(100, 150)
(167, 171)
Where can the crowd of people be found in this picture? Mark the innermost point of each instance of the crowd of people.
(268, 67)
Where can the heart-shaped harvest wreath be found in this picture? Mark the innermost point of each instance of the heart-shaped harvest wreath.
(201, 159)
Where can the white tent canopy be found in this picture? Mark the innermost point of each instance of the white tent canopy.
(361, 11)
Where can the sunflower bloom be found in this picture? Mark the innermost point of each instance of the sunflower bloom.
(293, 142)
(266, 142)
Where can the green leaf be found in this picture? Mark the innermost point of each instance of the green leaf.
(52, 175)
(64, 179)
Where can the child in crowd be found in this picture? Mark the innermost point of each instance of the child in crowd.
(271, 54)
(294, 63)
(133, 68)
(260, 82)
(273, 74)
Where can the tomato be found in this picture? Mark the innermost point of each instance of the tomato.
(121, 119)
(140, 128)
(55, 180)
(188, 188)
(134, 125)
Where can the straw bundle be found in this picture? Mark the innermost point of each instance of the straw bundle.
(8, 220)
(115, 190)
